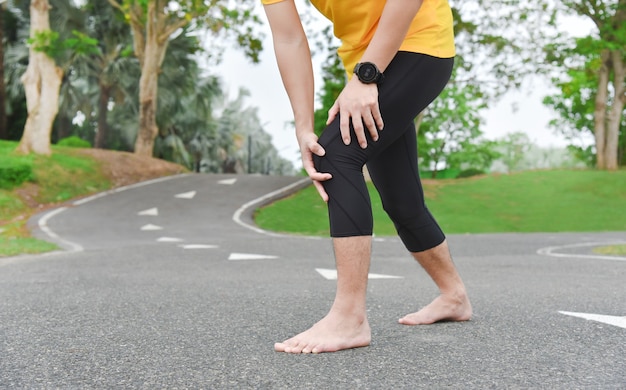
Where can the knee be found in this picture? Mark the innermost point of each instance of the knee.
(401, 212)
(340, 158)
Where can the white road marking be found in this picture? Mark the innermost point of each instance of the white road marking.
(152, 212)
(151, 227)
(73, 247)
(228, 181)
(611, 320)
(43, 225)
(331, 274)
(249, 256)
(169, 239)
(186, 195)
(552, 251)
(239, 212)
(198, 246)
(128, 187)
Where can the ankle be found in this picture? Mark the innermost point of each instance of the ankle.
(458, 295)
(349, 313)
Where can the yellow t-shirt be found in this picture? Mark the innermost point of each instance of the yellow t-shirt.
(355, 22)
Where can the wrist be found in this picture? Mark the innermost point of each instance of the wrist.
(368, 73)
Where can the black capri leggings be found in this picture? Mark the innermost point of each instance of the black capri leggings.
(412, 82)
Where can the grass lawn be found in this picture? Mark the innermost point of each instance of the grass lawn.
(57, 178)
(532, 201)
(617, 250)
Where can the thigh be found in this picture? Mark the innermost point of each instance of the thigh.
(412, 82)
(394, 172)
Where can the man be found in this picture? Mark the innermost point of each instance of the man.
(401, 53)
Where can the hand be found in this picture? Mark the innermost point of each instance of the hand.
(309, 147)
(358, 102)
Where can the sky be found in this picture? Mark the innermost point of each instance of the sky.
(518, 111)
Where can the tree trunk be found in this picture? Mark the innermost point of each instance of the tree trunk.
(600, 110)
(418, 121)
(151, 59)
(615, 115)
(148, 89)
(42, 81)
(103, 110)
(4, 133)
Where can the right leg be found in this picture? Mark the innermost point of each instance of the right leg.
(345, 326)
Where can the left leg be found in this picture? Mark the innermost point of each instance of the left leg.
(453, 303)
(395, 174)
(394, 171)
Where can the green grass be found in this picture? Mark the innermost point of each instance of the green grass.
(618, 250)
(533, 201)
(64, 175)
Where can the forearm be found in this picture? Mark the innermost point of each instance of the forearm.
(392, 29)
(294, 63)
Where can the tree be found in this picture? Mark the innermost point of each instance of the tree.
(16, 31)
(4, 133)
(451, 126)
(514, 148)
(593, 94)
(109, 69)
(154, 22)
(42, 81)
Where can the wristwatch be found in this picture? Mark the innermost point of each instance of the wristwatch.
(368, 73)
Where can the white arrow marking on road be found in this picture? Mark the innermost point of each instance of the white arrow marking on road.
(151, 227)
(249, 256)
(611, 320)
(186, 195)
(331, 274)
(198, 246)
(228, 181)
(152, 211)
(169, 239)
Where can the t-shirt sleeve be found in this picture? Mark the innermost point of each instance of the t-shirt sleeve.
(265, 2)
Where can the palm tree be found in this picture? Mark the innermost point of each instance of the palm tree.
(3, 113)
(111, 68)
(15, 61)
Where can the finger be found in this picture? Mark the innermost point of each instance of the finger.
(319, 176)
(317, 149)
(320, 190)
(344, 127)
(359, 131)
(332, 113)
(309, 167)
(378, 117)
(370, 124)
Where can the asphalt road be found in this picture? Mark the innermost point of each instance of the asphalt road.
(168, 285)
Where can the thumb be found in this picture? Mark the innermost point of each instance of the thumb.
(317, 149)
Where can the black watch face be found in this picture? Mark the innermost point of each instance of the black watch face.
(367, 73)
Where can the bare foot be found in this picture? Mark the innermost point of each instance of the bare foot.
(332, 333)
(443, 308)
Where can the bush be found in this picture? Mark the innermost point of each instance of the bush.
(470, 172)
(14, 171)
(74, 142)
